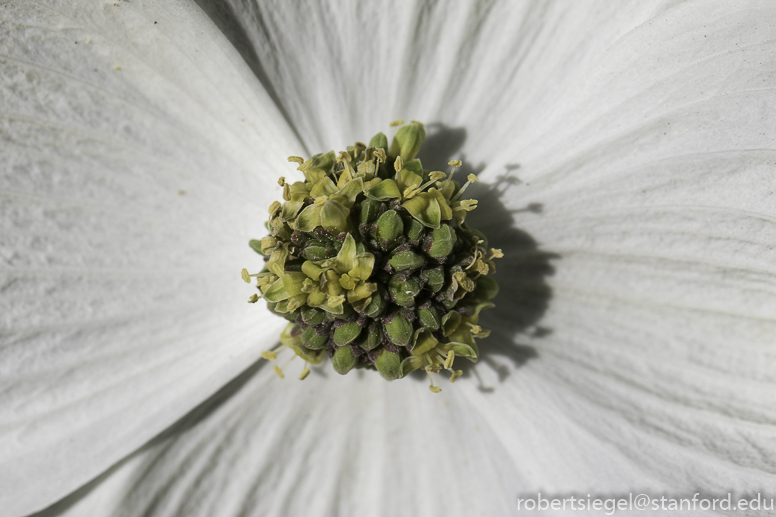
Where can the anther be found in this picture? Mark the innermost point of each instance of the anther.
(253, 299)
(247, 277)
(455, 376)
(471, 179)
(466, 204)
(398, 164)
(282, 181)
(278, 371)
(297, 159)
(396, 123)
(449, 360)
(274, 208)
(305, 373)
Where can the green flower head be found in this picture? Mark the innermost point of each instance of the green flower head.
(372, 263)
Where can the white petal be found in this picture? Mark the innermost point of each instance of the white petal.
(653, 369)
(296, 448)
(655, 173)
(121, 306)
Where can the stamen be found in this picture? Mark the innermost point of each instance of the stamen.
(305, 165)
(246, 277)
(278, 371)
(496, 253)
(271, 355)
(398, 164)
(396, 123)
(305, 372)
(471, 179)
(297, 159)
(449, 360)
(274, 208)
(466, 204)
(435, 389)
(253, 299)
(434, 176)
(287, 192)
(454, 164)
(282, 181)
(455, 376)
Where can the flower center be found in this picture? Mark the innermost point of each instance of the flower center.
(371, 261)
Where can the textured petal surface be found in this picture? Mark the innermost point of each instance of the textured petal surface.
(641, 137)
(138, 152)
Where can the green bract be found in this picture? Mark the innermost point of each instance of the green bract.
(370, 260)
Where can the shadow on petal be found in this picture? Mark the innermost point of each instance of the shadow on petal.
(524, 294)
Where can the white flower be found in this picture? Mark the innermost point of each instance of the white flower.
(139, 151)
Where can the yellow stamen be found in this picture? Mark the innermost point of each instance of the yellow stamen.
(455, 376)
(305, 373)
(274, 208)
(434, 176)
(466, 204)
(396, 123)
(449, 360)
(471, 179)
(454, 164)
(435, 389)
(253, 299)
(398, 164)
(343, 156)
(278, 371)
(287, 192)
(297, 159)
(496, 253)
(305, 165)
(269, 355)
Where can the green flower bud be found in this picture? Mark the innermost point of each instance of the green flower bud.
(389, 227)
(371, 339)
(318, 250)
(399, 330)
(369, 211)
(377, 304)
(404, 290)
(255, 246)
(414, 230)
(343, 360)
(389, 365)
(347, 333)
(312, 316)
(334, 217)
(312, 340)
(379, 140)
(406, 260)
(434, 278)
(429, 318)
(407, 141)
(443, 241)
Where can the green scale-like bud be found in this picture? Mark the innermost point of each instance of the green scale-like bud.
(370, 259)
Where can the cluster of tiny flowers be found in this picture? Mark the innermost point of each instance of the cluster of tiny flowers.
(372, 263)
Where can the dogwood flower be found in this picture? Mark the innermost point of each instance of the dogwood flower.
(631, 142)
